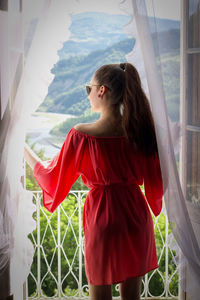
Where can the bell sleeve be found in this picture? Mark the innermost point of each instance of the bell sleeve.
(153, 184)
(57, 178)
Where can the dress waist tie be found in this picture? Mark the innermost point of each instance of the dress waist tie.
(110, 184)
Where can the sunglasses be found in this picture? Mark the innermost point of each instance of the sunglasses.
(89, 87)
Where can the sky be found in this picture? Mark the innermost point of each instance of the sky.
(168, 9)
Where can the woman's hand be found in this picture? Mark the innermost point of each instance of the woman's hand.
(30, 156)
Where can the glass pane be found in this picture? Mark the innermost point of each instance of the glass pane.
(193, 167)
(194, 24)
(193, 90)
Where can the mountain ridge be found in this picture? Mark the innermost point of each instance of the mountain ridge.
(66, 94)
(97, 30)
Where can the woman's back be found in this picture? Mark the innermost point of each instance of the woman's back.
(109, 158)
(116, 215)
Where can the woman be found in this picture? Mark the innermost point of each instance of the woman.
(114, 156)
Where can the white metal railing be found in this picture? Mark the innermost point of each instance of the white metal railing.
(58, 267)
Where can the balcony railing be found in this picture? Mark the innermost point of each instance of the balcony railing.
(58, 266)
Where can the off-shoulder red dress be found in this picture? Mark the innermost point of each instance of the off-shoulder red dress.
(118, 226)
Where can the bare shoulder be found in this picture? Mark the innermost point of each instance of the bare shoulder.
(97, 129)
(84, 127)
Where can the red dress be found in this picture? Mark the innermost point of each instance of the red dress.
(117, 223)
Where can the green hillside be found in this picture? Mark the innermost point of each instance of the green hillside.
(87, 26)
(66, 93)
(170, 73)
(171, 80)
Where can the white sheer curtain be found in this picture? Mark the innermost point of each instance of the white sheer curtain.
(33, 35)
(184, 236)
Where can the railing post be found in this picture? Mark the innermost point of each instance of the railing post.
(166, 257)
(146, 286)
(38, 245)
(59, 254)
(181, 293)
(25, 284)
(80, 243)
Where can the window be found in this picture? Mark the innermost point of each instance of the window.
(190, 99)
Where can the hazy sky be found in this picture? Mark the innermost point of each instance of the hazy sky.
(169, 9)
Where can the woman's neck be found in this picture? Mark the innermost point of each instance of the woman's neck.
(110, 115)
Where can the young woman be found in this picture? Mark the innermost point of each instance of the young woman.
(114, 156)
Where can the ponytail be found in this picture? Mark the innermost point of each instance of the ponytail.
(125, 90)
(137, 119)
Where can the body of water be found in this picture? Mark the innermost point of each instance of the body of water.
(39, 127)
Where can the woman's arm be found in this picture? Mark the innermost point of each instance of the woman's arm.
(30, 156)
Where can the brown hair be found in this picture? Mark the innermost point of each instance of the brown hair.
(124, 87)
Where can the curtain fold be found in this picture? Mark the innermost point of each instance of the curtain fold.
(44, 25)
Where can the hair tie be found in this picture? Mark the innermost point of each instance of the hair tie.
(123, 66)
